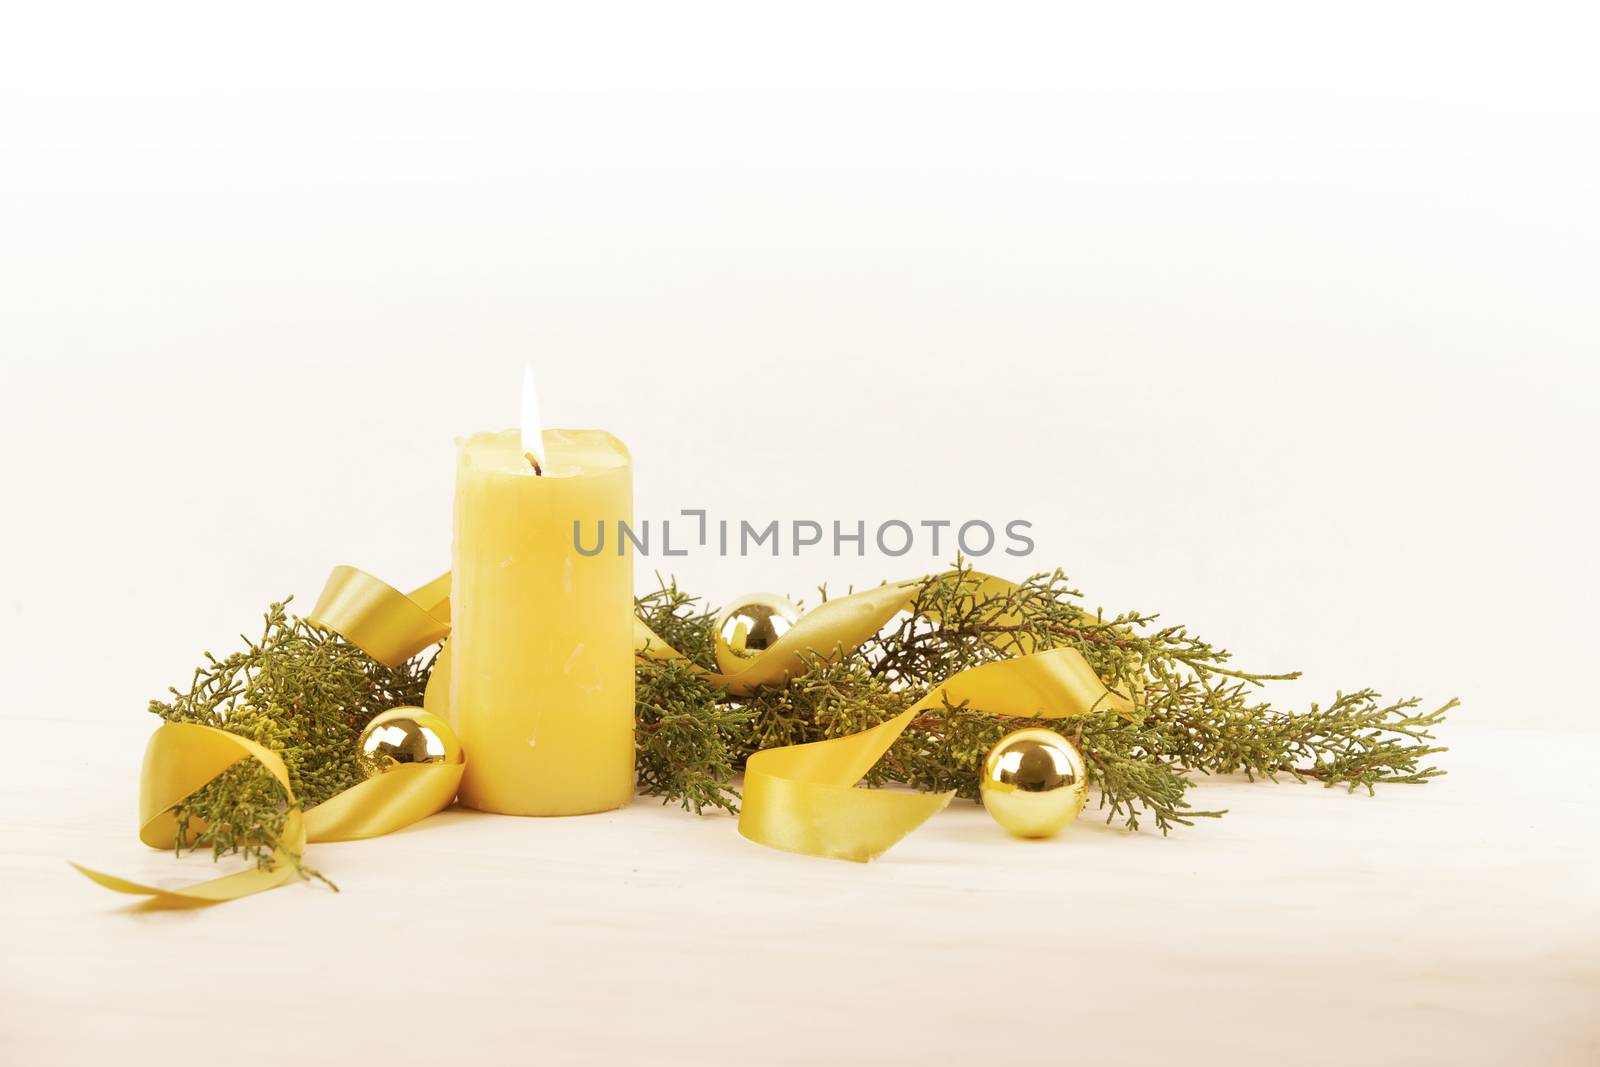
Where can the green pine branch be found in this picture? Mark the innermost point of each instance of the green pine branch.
(1196, 713)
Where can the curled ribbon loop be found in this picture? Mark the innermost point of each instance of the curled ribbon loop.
(386, 624)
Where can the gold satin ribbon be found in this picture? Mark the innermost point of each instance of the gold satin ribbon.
(802, 798)
(386, 624)
(389, 626)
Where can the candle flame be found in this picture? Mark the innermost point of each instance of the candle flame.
(532, 427)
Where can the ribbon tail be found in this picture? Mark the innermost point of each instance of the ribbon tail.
(201, 895)
(216, 890)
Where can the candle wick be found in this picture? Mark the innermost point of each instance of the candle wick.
(536, 468)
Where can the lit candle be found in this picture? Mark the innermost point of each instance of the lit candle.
(541, 645)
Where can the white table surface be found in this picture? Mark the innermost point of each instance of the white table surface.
(1450, 923)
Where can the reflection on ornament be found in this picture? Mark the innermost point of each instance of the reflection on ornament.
(749, 626)
(1034, 782)
(406, 735)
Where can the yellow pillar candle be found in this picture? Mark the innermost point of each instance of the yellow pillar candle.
(541, 646)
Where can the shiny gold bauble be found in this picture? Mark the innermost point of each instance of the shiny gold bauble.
(749, 626)
(406, 735)
(1034, 782)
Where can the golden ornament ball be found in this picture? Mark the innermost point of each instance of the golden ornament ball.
(406, 735)
(749, 626)
(1034, 782)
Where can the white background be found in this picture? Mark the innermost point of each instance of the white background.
(1277, 319)
(1279, 322)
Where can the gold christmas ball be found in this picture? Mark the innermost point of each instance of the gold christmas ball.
(1034, 782)
(749, 626)
(406, 735)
